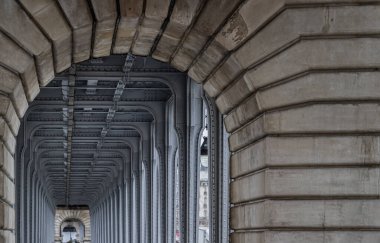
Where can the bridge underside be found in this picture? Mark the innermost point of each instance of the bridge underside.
(294, 83)
(108, 136)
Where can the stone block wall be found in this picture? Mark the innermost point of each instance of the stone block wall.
(297, 81)
(61, 215)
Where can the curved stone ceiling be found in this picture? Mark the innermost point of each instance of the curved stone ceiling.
(291, 76)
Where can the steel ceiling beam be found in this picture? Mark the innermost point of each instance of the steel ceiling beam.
(70, 128)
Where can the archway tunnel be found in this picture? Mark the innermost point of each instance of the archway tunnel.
(104, 138)
(285, 92)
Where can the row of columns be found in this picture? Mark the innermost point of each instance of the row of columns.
(142, 207)
(117, 217)
(35, 212)
(38, 215)
(298, 82)
(109, 219)
(77, 217)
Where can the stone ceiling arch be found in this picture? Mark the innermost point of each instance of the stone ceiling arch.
(264, 62)
(76, 224)
(63, 215)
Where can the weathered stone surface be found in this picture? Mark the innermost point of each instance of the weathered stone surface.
(7, 236)
(251, 15)
(343, 214)
(79, 15)
(7, 137)
(304, 58)
(313, 87)
(8, 112)
(7, 189)
(11, 85)
(16, 59)
(6, 161)
(7, 217)
(306, 151)
(316, 54)
(306, 182)
(183, 14)
(207, 61)
(292, 24)
(59, 32)
(321, 118)
(306, 236)
(156, 12)
(15, 22)
(105, 13)
(224, 75)
(130, 14)
(248, 134)
(83, 215)
(266, 87)
(241, 87)
(212, 16)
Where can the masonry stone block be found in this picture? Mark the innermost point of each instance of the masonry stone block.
(17, 24)
(245, 21)
(311, 151)
(43, 11)
(62, 215)
(343, 214)
(7, 236)
(248, 134)
(6, 161)
(82, 38)
(105, 13)
(306, 182)
(293, 24)
(11, 85)
(297, 81)
(130, 14)
(206, 62)
(212, 16)
(313, 87)
(225, 74)
(319, 118)
(293, 64)
(103, 39)
(306, 236)
(316, 54)
(6, 136)
(155, 13)
(240, 115)
(79, 16)
(184, 13)
(8, 112)
(7, 189)
(228, 99)
(7, 217)
(19, 61)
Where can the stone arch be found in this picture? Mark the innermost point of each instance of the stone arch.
(63, 215)
(291, 76)
(76, 223)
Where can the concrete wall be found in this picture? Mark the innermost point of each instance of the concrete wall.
(296, 79)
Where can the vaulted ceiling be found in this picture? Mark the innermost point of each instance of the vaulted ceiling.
(83, 123)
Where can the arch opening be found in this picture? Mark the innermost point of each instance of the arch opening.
(72, 231)
(295, 80)
(103, 141)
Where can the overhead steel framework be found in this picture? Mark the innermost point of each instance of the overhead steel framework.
(107, 134)
(297, 81)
